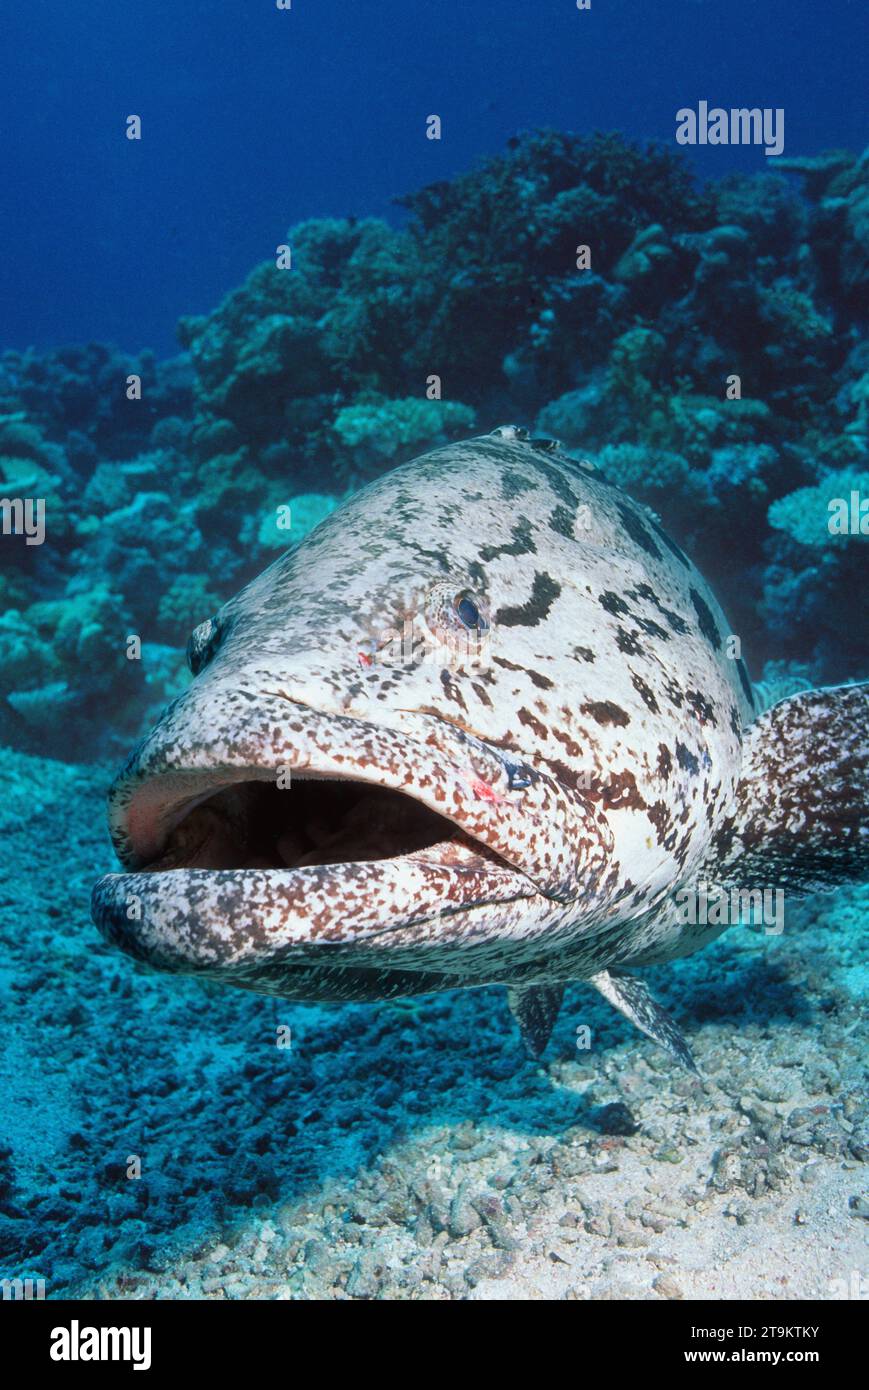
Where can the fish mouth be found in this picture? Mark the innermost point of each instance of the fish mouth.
(313, 822)
(335, 834)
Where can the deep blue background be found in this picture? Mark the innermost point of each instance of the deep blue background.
(255, 118)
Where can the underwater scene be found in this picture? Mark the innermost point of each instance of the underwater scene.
(434, 657)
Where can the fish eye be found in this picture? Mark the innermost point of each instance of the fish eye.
(201, 645)
(469, 614)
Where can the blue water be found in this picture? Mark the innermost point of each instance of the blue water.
(255, 119)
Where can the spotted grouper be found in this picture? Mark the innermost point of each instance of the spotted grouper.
(486, 724)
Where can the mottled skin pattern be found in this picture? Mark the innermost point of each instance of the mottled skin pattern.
(587, 747)
(808, 829)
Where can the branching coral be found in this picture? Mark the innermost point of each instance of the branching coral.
(818, 516)
(375, 434)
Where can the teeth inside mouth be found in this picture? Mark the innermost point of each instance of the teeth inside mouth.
(257, 825)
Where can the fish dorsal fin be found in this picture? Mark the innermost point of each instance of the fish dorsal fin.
(800, 821)
(535, 1009)
(633, 999)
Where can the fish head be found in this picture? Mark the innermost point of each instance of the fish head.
(356, 777)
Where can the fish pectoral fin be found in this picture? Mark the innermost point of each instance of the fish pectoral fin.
(800, 820)
(535, 1009)
(634, 999)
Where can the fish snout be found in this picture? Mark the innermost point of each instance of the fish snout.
(219, 772)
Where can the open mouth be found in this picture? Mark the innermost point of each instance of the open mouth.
(312, 822)
(374, 846)
(232, 876)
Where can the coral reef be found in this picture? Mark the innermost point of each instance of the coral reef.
(705, 351)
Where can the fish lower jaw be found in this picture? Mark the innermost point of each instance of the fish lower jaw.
(222, 921)
(253, 869)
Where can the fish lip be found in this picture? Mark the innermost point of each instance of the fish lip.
(163, 782)
(237, 924)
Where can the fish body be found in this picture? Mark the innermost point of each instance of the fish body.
(484, 724)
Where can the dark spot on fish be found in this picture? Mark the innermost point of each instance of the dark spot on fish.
(532, 722)
(613, 603)
(702, 708)
(557, 481)
(665, 761)
(514, 483)
(561, 521)
(605, 712)
(573, 778)
(439, 556)
(637, 532)
(683, 848)
(722, 840)
(478, 574)
(647, 592)
(582, 654)
(686, 759)
(644, 692)
(544, 592)
(542, 682)
(522, 543)
(508, 665)
(676, 623)
(609, 884)
(621, 793)
(653, 629)
(705, 620)
(673, 691)
(571, 746)
(659, 815)
(627, 643)
(734, 721)
(452, 690)
(481, 693)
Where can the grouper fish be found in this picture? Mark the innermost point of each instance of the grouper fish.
(486, 724)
